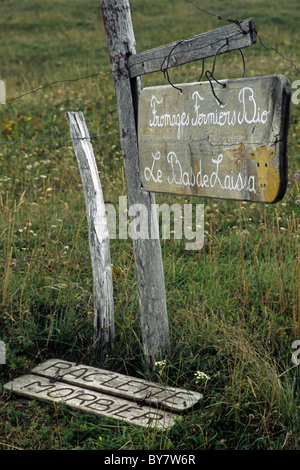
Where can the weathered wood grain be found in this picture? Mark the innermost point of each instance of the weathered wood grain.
(90, 401)
(147, 252)
(2, 92)
(112, 383)
(202, 46)
(235, 148)
(2, 352)
(104, 323)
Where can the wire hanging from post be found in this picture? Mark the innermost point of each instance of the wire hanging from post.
(244, 65)
(203, 60)
(211, 73)
(208, 74)
(165, 70)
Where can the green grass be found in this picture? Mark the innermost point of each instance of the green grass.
(233, 307)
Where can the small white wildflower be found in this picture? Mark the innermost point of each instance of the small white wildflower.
(201, 376)
(160, 365)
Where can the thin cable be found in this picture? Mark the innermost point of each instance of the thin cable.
(58, 81)
(230, 20)
(14, 261)
(210, 73)
(57, 139)
(295, 66)
(50, 190)
(165, 70)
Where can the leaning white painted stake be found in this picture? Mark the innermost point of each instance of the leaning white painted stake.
(148, 257)
(104, 328)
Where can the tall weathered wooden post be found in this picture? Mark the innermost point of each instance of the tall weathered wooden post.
(147, 252)
(104, 324)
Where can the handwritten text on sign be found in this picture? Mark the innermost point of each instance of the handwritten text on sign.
(90, 401)
(191, 144)
(104, 381)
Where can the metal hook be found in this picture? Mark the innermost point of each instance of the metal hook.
(211, 85)
(244, 66)
(207, 73)
(165, 70)
(202, 70)
(217, 53)
(210, 75)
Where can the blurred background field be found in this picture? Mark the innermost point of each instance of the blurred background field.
(233, 306)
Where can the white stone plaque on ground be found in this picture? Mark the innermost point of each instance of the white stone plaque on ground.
(105, 393)
(139, 390)
(87, 400)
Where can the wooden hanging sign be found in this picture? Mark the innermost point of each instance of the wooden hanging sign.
(229, 142)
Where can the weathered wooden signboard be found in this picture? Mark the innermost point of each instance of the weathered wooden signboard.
(230, 144)
(104, 393)
(90, 401)
(132, 388)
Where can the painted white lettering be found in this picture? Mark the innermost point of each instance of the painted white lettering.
(250, 112)
(230, 182)
(178, 120)
(148, 172)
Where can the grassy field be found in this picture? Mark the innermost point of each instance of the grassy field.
(233, 307)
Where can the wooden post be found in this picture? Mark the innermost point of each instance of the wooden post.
(127, 68)
(2, 92)
(147, 252)
(104, 328)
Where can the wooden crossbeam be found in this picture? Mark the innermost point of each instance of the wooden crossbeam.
(233, 36)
